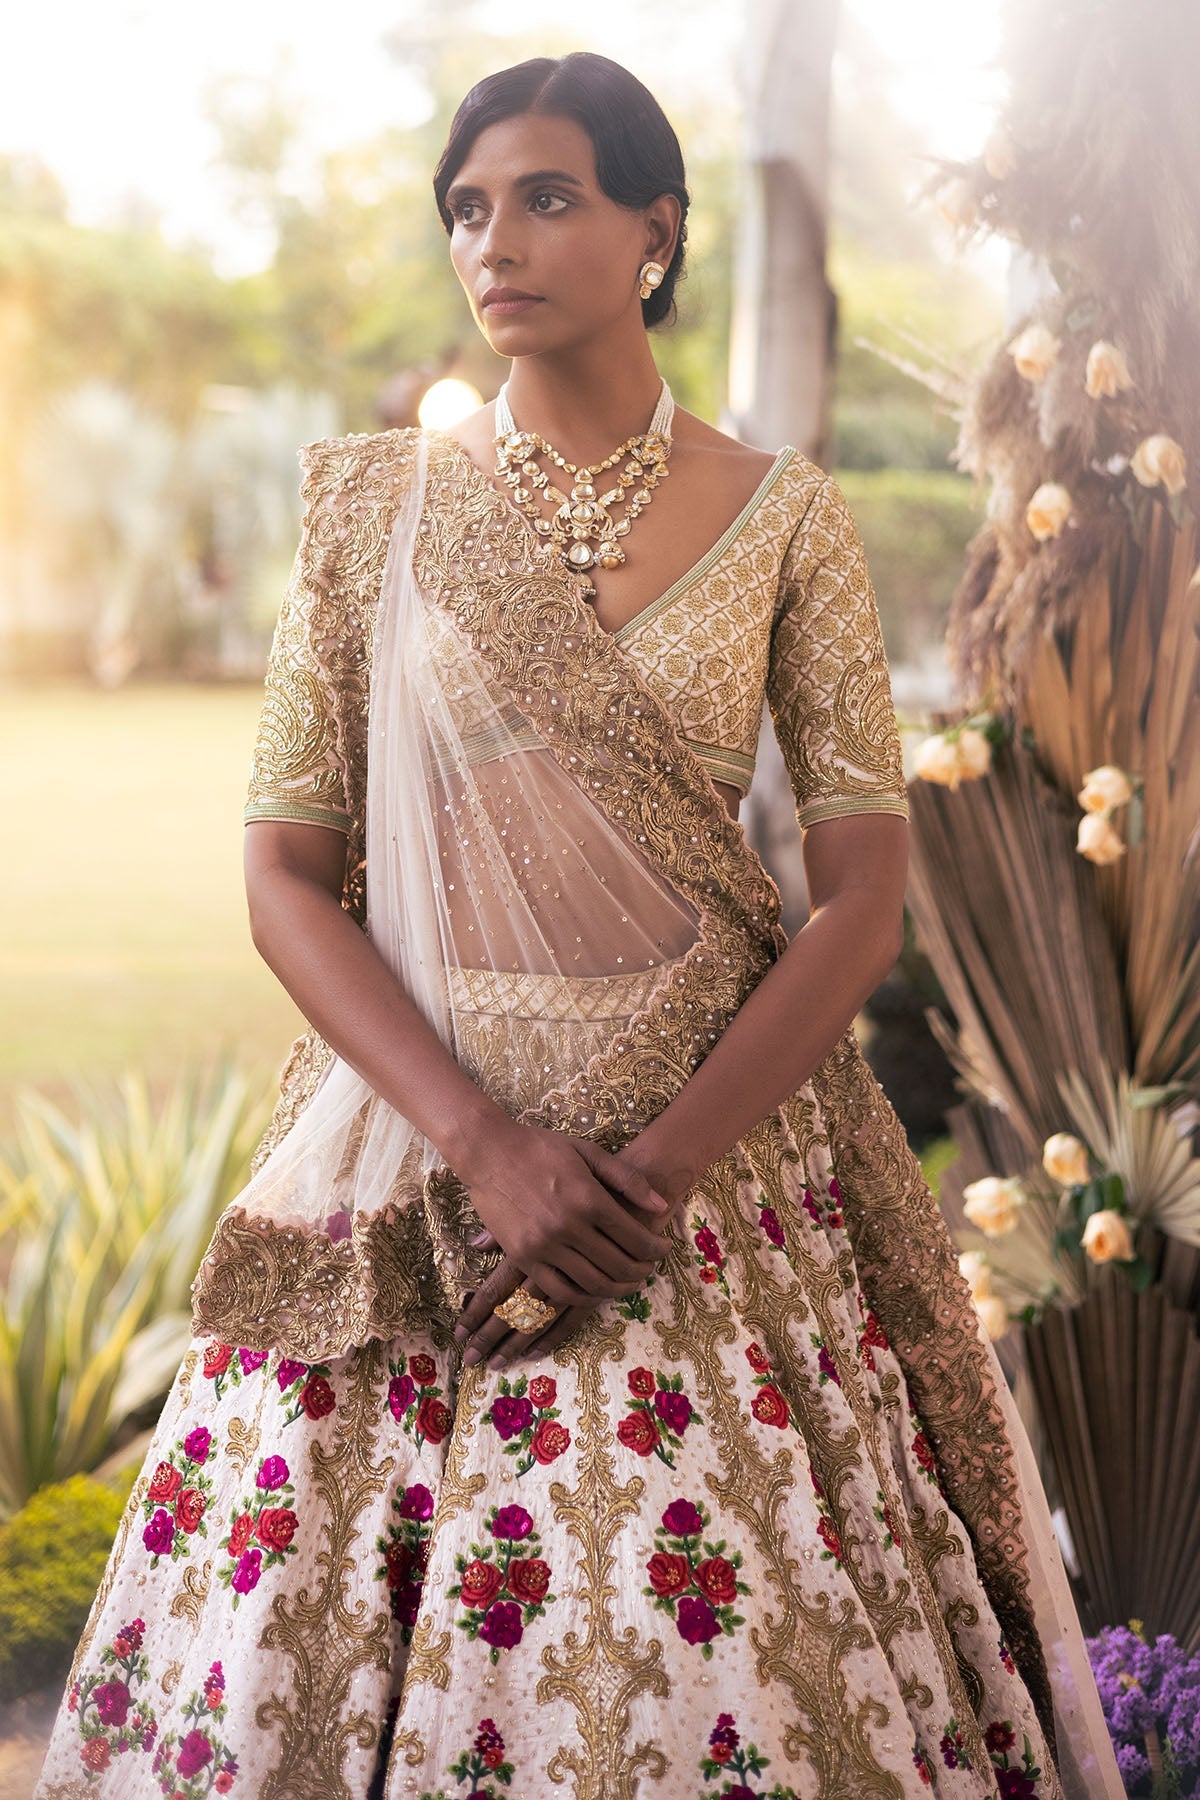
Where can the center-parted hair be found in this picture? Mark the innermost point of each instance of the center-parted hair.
(637, 152)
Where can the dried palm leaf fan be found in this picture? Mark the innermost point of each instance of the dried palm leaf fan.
(1076, 984)
(1117, 1376)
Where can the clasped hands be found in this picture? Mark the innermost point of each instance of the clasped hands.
(578, 1224)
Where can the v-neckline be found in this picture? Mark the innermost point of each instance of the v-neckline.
(699, 568)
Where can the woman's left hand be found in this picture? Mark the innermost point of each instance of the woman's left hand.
(485, 1335)
(481, 1332)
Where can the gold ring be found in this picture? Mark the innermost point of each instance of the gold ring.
(524, 1311)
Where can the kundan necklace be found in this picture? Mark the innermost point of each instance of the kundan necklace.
(582, 530)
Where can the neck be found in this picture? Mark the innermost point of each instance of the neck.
(586, 401)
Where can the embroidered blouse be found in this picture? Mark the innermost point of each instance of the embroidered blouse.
(780, 608)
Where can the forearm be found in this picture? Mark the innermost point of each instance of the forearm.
(779, 1035)
(345, 989)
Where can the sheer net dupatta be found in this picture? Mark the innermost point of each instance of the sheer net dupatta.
(534, 829)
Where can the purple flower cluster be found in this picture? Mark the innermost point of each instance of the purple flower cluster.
(1149, 1688)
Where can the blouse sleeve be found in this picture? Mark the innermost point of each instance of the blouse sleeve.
(298, 769)
(828, 685)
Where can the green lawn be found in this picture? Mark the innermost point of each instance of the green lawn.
(123, 932)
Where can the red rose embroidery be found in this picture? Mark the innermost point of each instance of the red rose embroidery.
(165, 1483)
(317, 1397)
(528, 1579)
(669, 1574)
(637, 1431)
(716, 1580)
(543, 1390)
(239, 1537)
(423, 1369)
(641, 1383)
(216, 1359)
(481, 1583)
(829, 1536)
(433, 1418)
(95, 1754)
(549, 1440)
(189, 1509)
(708, 1274)
(769, 1405)
(276, 1527)
(757, 1360)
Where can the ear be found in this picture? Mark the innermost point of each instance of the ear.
(663, 218)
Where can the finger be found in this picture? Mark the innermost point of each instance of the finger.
(558, 1330)
(622, 1178)
(487, 1336)
(610, 1276)
(498, 1285)
(638, 1241)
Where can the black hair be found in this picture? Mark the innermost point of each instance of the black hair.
(636, 149)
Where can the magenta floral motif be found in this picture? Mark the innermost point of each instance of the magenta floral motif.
(923, 1766)
(660, 1412)
(1005, 1654)
(482, 1764)
(524, 1415)
(415, 1401)
(825, 1362)
(178, 1497)
(692, 1579)
(1016, 1781)
(306, 1390)
(404, 1549)
(825, 1208)
(954, 1751)
(772, 1226)
(734, 1765)
(226, 1364)
(113, 1720)
(261, 1529)
(709, 1257)
(500, 1597)
(197, 1762)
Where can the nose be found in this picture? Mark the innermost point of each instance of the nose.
(499, 243)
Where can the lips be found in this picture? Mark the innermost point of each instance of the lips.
(508, 300)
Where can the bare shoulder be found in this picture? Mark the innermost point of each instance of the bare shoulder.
(726, 456)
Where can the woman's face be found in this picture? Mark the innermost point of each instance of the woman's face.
(528, 214)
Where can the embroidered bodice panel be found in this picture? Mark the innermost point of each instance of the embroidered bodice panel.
(780, 609)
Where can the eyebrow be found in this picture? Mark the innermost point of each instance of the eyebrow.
(462, 191)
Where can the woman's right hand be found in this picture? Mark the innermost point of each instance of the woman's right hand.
(553, 1203)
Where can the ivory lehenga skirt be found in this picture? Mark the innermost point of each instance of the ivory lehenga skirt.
(705, 1548)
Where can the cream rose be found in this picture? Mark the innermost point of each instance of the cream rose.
(999, 154)
(1065, 1159)
(1035, 352)
(1160, 458)
(1106, 1237)
(973, 1266)
(994, 1313)
(1104, 788)
(994, 1204)
(936, 759)
(1097, 840)
(949, 760)
(1107, 371)
(1048, 510)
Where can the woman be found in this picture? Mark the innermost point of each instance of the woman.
(585, 1396)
